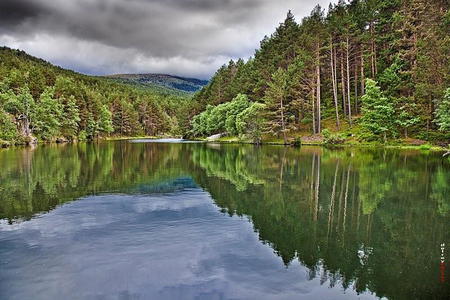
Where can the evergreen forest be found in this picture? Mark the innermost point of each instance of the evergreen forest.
(362, 70)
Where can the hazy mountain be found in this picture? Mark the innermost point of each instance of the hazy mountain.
(189, 85)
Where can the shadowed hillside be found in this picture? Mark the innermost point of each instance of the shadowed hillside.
(189, 85)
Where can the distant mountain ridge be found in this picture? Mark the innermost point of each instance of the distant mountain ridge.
(184, 84)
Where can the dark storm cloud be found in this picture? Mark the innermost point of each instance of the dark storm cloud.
(16, 11)
(188, 37)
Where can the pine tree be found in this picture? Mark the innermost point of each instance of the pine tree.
(378, 112)
(407, 115)
(70, 118)
(275, 102)
(443, 113)
(105, 122)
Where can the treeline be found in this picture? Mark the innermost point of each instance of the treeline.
(39, 101)
(386, 60)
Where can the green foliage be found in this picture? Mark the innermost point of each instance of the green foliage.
(251, 121)
(331, 138)
(20, 104)
(425, 147)
(407, 115)
(200, 122)
(316, 68)
(105, 121)
(390, 80)
(70, 118)
(239, 104)
(306, 71)
(219, 118)
(378, 112)
(275, 100)
(49, 102)
(8, 130)
(441, 190)
(443, 112)
(47, 115)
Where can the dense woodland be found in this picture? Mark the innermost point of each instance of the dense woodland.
(39, 101)
(370, 69)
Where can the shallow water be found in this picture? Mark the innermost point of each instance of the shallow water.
(123, 220)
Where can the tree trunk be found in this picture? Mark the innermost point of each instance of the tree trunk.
(302, 111)
(373, 51)
(316, 198)
(313, 110)
(348, 84)
(362, 72)
(333, 195)
(283, 125)
(345, 205)
(344, 97)
(312, 189)
(23, 125)
(356, 85)
(333, 79)
(318, 87)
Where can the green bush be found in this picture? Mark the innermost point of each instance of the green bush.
(434, 136)
(8, 130)
(306, 121)
(297, 142)
(425, 147)
(330, 138)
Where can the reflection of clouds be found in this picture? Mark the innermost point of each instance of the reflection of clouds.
(208, 290)
(163, 246)
(5, 226)
(167, 202)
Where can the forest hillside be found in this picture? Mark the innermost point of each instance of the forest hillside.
(39, 101)
(364, 70)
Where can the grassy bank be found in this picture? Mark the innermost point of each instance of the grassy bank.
(305, 139)
(344, 136)
(396, 144)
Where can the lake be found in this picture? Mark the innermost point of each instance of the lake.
(147, 220)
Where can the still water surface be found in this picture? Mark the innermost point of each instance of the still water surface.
(141, 220)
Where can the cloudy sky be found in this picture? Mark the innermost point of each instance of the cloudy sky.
(182, 37)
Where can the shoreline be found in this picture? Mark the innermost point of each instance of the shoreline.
(424, 147)
(234, 140)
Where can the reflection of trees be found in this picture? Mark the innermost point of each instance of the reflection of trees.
(238, 166)
(373, 220)
(34, 181)
(441, 190)
(369, 219)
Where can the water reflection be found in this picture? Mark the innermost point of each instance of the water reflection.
(365, 220)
